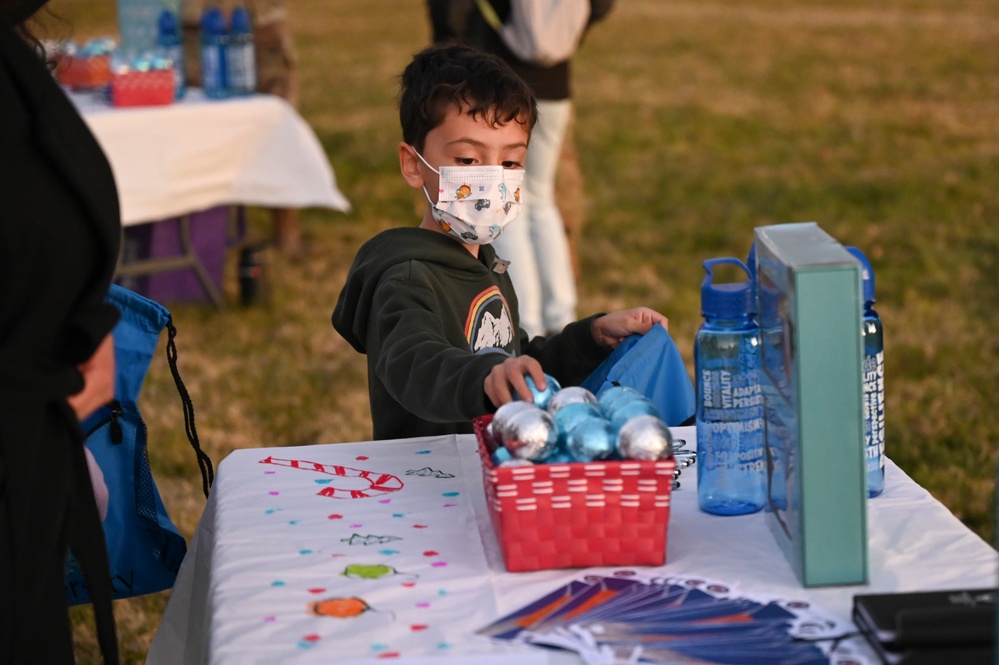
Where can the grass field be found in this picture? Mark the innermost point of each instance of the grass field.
(696, 122)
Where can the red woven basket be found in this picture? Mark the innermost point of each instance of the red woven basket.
(153, 88)
(579, 514)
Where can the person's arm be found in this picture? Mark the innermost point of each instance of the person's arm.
(98, 380)
(611, 329)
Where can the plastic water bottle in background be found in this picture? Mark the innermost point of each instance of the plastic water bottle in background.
(874, 382)
(241, 72)
(213, 52)
(168, 40)
(251, 275)
(731, 468)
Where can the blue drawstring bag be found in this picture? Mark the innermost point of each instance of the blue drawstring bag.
(144, 547)
(652, 365)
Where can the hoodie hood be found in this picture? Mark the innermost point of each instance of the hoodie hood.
(388, 249)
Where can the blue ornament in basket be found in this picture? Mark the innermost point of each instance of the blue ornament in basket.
(570, 414)
(616, 396)
(542, 397)
(570, 395)
(627, 409)
(591, 439)
(645, 437)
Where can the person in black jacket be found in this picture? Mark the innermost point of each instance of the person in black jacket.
(433, 307)
(59, 234)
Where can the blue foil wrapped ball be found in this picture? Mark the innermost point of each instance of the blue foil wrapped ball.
(570, 395)
(627, 409)
(615, 396)
(570, 414)
(591, 438)
(645, 437)
(542, 397)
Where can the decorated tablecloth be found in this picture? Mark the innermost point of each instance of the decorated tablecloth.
(372, 551)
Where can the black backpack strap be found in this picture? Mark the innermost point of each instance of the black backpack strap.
(204, 462)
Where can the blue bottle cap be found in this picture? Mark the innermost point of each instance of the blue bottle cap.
(726, 301)
(212, 21)
(167, 23)
(239, 23)
(866, 271)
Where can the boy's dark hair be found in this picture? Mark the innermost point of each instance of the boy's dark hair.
(452, 75)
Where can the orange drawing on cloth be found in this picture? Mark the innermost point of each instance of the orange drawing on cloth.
(341, 608)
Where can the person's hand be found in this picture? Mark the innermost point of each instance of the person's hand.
(611, 329)
(98, 380)
(510, 374)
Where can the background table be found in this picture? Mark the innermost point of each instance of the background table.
(197, 154)
(275, 539)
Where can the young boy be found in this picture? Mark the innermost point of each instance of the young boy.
(433, 307)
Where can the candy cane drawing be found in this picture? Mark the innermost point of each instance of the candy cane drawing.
(377, 483)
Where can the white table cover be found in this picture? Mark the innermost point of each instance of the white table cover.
(424, 563)
(198, 153)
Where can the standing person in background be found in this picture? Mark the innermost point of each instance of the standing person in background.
(277, 74)
(59, 235)
(542, 261)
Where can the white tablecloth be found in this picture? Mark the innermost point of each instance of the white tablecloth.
(197, 153)
(270, 544)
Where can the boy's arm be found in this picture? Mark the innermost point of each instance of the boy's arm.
(571, 355)
(419, 366)
(574, 353)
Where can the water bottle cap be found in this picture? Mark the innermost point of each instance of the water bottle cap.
(212, 21)
(167, 24)
(240, 21)
(866, 271)
(726, 301)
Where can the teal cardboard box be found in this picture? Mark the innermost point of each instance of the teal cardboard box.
(810, 308)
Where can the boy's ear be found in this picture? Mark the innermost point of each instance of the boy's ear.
(409, 164)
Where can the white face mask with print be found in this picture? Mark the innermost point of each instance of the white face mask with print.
(475, 203)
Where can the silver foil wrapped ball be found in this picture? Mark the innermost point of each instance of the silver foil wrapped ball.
(570, 395)
(504, 415)
(645, 437)
(531, 434)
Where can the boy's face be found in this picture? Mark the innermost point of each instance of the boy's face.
(461, 140)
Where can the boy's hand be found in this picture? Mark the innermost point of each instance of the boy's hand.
(510, 374)
(611, 329)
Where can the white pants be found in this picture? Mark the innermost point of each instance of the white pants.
(535, 242)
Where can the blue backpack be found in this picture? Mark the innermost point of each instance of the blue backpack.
(652, 365)
(144, 547)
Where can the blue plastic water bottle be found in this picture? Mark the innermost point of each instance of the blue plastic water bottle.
(213, 52)
(241, 68)
(731, 468)
(169, 42)
(874, 382)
